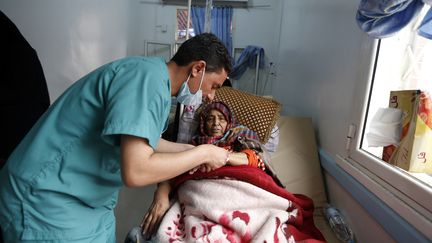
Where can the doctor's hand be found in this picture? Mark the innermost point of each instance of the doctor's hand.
(216, 157)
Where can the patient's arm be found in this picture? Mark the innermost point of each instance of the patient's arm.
(234, 159)
(157, 209)
(237, 158)
(247, 157)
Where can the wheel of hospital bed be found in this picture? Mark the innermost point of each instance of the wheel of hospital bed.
(297, 164)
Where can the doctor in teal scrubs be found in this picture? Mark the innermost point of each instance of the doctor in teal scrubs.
(61, 183)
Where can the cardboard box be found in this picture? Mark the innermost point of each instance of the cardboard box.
(414, 152)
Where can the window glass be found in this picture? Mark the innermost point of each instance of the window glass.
(182, 16)
(398, 127)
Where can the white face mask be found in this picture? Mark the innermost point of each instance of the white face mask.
(185, 97)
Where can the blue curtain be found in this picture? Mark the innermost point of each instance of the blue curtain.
(198, 18)
(425, 28)
(383, 18)
(221, 18)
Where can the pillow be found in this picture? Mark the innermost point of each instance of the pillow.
(257, 113)
(273, 141)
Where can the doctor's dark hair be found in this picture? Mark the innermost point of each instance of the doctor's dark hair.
(206, 47)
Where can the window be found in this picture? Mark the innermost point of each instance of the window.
(182, 16)
(400, 62)
(403, 63)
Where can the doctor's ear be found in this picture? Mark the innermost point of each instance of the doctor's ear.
(198, 67)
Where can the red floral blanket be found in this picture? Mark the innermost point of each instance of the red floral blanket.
(237, 204)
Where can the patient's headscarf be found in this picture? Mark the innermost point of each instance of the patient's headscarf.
(231, 133)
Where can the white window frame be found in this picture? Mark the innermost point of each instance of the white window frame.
(410, 198)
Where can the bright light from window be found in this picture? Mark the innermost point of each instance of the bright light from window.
(404, 63)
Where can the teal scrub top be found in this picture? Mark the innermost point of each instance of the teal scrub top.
(62, 181)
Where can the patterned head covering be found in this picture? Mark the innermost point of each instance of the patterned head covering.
(232, 131)
(222, 108)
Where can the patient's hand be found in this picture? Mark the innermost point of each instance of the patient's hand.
(202, 168)
(155, 213)
(216, 157)
(194, 169)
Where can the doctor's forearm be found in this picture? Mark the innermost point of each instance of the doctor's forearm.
(141, 166)
(160, 167)
(165, 146)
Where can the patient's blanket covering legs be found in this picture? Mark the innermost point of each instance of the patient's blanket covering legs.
(227, 210)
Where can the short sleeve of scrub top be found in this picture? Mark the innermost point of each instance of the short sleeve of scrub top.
(137, 102)
(62, 181)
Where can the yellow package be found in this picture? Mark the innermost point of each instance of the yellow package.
(414, 152)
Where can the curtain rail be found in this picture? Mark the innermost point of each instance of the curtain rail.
(225, 3)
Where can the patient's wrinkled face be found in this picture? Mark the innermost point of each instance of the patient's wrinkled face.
(216, 123)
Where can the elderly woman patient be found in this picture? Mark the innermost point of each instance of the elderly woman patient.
(233, 203)
(218, 127)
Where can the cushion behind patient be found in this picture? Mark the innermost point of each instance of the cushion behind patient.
(257, 113)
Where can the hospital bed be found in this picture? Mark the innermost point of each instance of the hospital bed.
(295, 161)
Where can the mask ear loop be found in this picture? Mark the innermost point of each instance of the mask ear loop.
(187, 80)
(202, 78)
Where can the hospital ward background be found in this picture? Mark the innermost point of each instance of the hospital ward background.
(349, 95)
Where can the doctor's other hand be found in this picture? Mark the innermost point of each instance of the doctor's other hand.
(202, 168)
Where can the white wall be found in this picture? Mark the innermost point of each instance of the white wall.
(71, 37)
(258, 25)
(315, 45)
(358, 217)
(151, 18)
(319, 65)
(74, 37)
